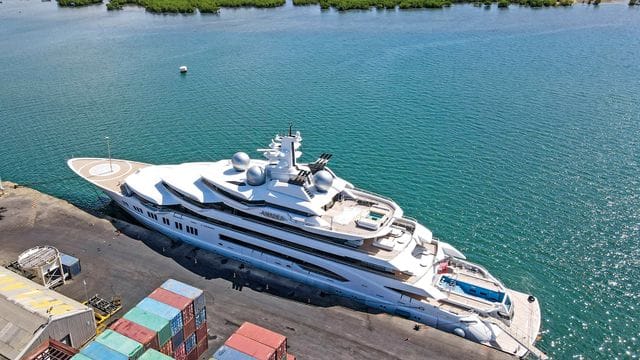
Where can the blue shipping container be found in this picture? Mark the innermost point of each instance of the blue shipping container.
(185, 290)
(97, 351)
(164, 311)
(227, 353)
(177, 339)
(201, 317)
(190, 343)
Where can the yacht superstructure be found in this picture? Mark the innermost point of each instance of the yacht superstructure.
(302, 221)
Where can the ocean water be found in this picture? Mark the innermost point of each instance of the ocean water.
(512, 134)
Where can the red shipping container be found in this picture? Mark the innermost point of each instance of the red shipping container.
(179, 353)
(201, 333)
(291, 357)
(184, 304)
(189, 328)
(267, 337)
(167, 348)
(251, 347)
(202, 347)
(139, 333)
(193, 355)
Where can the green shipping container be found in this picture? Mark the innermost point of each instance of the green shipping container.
(151, 321)
(80, 356)
(120, 343)
(154, 355)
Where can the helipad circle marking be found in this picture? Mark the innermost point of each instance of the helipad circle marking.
(104, 169)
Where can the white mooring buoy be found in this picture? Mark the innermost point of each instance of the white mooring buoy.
(183, 69)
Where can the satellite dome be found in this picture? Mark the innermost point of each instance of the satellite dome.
(323, 180)
(240, 161)
(256, 176)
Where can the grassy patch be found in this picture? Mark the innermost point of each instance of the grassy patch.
(72, 3)
(168, 6)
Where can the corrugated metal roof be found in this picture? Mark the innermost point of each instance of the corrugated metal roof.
(36, 298)
(17, 326)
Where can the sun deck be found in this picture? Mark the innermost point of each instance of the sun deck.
(361, 217)
(105, 173)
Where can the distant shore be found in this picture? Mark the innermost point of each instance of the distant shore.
(213, 6)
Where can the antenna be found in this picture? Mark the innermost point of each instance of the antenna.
(109, 151)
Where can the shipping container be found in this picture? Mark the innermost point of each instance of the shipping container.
(179, 302)
(147, 337)
(179, 353)
(201, 332)
(177, 339)
(120, 343)
(70, 265)
(152, 354)
(80, 356)
(202, 347)
(266, 337)
(227, 353)
(167, 349)
(97, 351)
(185, 290)
(189, 328)
(201, 317)
(166, 311)
(151, 321)
(190, 343)
(193, 355)
(251, 347)
(291, 357)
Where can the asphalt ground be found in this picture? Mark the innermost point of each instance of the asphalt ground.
(119, 258)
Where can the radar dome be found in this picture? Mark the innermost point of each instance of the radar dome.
(256, 176)
(240, 161)
(323, 180)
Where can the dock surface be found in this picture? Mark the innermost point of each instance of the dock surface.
(123, 259)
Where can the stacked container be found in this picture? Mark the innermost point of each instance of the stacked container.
(251, 347)
(191, 302)
(182, 303)
(267, 337)
(120, 343)
(97, 351)
(255, 342)
(152, 354)
(139, 333)
(154, 323)
(226, 353)
(170, 323)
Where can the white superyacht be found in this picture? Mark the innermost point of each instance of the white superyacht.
(302, 221)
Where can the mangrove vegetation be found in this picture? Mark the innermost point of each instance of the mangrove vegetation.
(342, 5)
(213, 6)
(72, 3)
(190, 6)
(168, 6)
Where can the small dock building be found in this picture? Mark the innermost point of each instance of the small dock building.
(31, 314)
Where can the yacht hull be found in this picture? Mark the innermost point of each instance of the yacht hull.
(210, 240)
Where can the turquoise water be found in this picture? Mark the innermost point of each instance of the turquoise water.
(512, 134)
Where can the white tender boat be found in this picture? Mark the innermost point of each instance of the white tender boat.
(302, 221)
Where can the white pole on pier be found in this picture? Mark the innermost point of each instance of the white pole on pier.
(109, 151)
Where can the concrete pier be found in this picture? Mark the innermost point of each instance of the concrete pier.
(122, 259)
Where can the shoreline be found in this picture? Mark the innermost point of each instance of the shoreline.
(214, 6)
